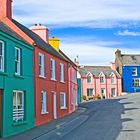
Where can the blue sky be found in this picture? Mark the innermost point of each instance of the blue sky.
(91, 29)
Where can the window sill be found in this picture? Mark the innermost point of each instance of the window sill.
(62, 82)
(43, 113)
(18, 76)
(63, 108)
(19, 123)
(3, 73)
(53, 79)
(43, 77)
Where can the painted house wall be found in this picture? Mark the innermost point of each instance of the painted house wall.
(72, 89)
(96, 86)
(10, 82)
(49, 86)
(127, 79)
(79, 90)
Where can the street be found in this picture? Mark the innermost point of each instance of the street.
(110, 119)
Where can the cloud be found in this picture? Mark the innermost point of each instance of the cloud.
(92, 13)
(93, 54)
(128, 33)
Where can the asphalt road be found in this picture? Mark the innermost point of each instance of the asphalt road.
(114, 119)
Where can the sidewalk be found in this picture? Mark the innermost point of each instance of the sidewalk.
(46, 128)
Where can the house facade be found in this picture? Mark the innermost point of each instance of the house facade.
(129, 67)
(99, 81)
(72, 76)
(38, 75)
(16, 83)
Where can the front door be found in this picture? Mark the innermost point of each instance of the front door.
(0, 111)
(54, 106)
(113, 92)
(103, 93)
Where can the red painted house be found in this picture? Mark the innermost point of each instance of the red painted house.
(51, 91)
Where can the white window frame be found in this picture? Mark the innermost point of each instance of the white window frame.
(90, 89)
(64, 103)
(52, 69)
(18, 113)
(18, 61)
(41, 65)
(102, 82)
(2, 57)
(61, 72)
(134, 71)
(113, 80)
(136, 82)
(44, 102)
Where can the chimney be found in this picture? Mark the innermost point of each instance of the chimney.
(41, 30)
(118, 53)
(54, 42)
(5, 9)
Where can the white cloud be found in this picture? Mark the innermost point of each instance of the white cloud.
(76, 12)
(128, 33)
(90, 54)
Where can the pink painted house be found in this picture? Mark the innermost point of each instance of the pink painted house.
(100, 81)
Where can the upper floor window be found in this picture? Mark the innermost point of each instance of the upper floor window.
(89, 79)
(134, 71)
(17, 61)
(61, 72)
(102, 79)
(112, 80)
(136, 82)
(41, 65)
(18, 105)
(1, 56)
(52, 68)
(43, 102)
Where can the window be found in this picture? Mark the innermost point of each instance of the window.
(17, 61)
(134, 71)
(41, 65)
(61, 72)
(89, 79)
(136, 82)
(89, 92)
(44, 103)
(1, 56)
(63, 100)
(18, 106)
(112, 80)
(52, 69)
(102, 80)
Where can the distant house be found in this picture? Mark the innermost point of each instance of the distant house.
(129, 67)
(99, 81)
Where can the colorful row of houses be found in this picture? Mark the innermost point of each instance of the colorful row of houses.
(38, 82)
(110, 81)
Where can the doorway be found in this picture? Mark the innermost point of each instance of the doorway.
(54, 106)
(0, 111)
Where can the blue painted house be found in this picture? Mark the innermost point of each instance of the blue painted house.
(129, 67)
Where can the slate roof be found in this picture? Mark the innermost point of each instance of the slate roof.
(130, 59)
(96, 70)
(4, 28)
(38, 40)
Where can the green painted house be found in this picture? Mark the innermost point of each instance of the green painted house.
(16, 83)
